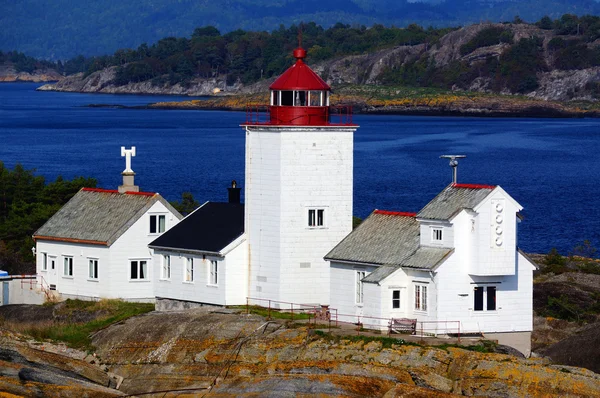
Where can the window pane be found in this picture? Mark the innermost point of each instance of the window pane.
(424, 298)
(287, 98)
(152, 224)
(315, 98)
(320, 214)
(161, 224)
(91, 270)
(417, 297)
(44, 261)
(96, 269)
(396, 299)
(134, 270)
(491, 298)
(311, 218)
(143, 274)
(478, 304)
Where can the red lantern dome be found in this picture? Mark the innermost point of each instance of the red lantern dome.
(300, 97)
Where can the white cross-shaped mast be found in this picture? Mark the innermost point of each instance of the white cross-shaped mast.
(128, 153)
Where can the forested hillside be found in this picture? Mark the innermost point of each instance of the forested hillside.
(551, 59)
(62, 29)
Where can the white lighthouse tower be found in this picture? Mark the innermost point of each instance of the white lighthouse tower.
(298, 194)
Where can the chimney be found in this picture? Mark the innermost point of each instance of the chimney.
(128, 174)
(234, 192)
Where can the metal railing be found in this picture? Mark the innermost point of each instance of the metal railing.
(361, 323)
(335, 115)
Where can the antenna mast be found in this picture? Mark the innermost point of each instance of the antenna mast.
(454, 164)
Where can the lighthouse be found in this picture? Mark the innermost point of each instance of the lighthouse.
(298, 194)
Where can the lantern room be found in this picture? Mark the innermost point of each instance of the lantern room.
(300, 97)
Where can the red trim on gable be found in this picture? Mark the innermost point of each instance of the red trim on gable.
(395, 213)
(473, 186)
(115, 191)
(69, 240)
(100, 190)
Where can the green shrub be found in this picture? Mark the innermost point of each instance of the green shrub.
(487, 37)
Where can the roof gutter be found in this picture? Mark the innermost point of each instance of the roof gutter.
(350, 261)
(70, 240)
(187, 251)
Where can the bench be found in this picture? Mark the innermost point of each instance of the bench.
(403, 325)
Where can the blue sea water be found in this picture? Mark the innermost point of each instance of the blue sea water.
(550, 166)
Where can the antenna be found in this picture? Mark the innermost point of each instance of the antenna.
(300, 35)
(454, 164)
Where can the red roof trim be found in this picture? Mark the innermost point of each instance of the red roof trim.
(395, 213)
(115, 191)
(473, 186)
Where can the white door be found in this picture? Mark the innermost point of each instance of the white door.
(52, 271)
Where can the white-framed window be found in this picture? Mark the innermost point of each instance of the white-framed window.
(139, 269)
(188, 275)
(157, 223)
(484, 298)
(437, 235)
(316, 218)
(214, 272)
(165, 272)
(68, 266)
(93, 268)
(359, 286)
(44, 261)
(395, 299)
(420, 297)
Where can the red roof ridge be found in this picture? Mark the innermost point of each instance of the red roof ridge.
(116, 191)
(395, 213)
(473, 186)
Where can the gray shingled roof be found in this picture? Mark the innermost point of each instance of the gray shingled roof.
(390, 240)
(98, 215)
(453, 199)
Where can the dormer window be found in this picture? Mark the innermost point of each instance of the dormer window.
(437, 235)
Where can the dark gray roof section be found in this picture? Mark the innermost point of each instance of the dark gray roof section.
(390, 240)
(453, 199)
(209, 229)
(96, 215)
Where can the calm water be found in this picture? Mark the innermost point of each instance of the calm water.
(550, 166)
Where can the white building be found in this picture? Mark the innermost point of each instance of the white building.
(298, 188)
(96, 245)
(204, 258)
(455, 261)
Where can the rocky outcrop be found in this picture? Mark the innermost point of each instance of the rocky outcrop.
(103, 82)
(9, 74)
(245, 355)
(30, 369)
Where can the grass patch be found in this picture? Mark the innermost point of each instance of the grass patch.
(76, 320)
(274, 313)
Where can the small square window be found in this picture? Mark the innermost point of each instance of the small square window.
(157, 223)
(139, 269)
(316, 217)
(484, 298)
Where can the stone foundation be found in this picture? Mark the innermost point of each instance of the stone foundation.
(517, 340)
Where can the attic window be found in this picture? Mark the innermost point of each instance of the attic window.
(157, 224)
(437, 235)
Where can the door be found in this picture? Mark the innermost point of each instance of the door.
(52, 272)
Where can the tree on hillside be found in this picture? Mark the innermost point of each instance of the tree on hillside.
(27, 202)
